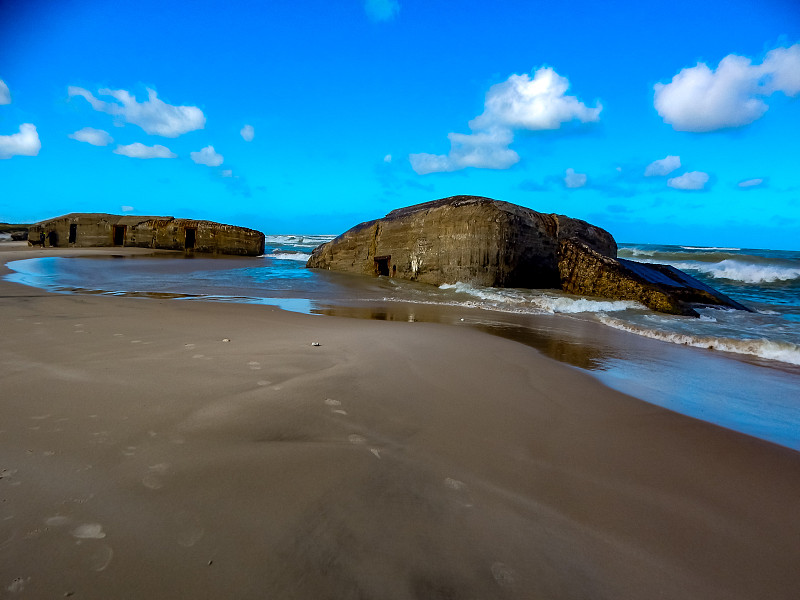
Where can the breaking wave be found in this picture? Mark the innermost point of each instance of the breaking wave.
(736, 270)
(306, 241)
(762, 348)
(299, 256)
(713, 248)
(634, 251)
(519, 301)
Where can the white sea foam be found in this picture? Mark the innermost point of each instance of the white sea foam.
(637, 252)
(300, 256)
(772, 350)
(715, 248)
(518, 301)
(309, 241)
(736, 270)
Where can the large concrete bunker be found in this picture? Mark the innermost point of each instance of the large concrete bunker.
(86, 230)
(492, 243)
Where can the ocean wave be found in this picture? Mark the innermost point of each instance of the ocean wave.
(770, 349)
(625, 252)
(299, 256)
(736, 270)
(306, 241)
(713, 248)
(516, 301)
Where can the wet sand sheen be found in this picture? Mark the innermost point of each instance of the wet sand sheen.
(145, 456)
(744, 393)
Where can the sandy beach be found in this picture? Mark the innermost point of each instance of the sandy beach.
(154, 448)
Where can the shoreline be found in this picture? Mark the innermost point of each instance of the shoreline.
(744, 393)
(145, 456)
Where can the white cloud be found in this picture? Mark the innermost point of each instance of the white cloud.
(207, 156)
(664, 166)
(387, 158)
(152, 115)
(24, 143)
(483, 150)
(382, 10)
(126, 209)
(138, 150)
(695, 180)
(517, 103)
(536, 104)
(95, 137)
(248, 133)
(700, 100)
(749, 183)
(5, 94)
(574, 180)
(782, 68)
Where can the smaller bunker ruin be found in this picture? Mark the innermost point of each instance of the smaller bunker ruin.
(92, 230)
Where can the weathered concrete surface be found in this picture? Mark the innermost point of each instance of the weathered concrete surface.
(166, 233)
(463, 238)
(491, 243)
(662, 288)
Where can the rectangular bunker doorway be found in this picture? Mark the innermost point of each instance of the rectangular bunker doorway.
(191, 237)
(73, 233)
(382, 265)
(119, 235)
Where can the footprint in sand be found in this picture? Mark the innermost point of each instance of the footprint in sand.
(334, 403)
(153, 478)
(57, 521)
(18, 585)
(89, 531)
(190, 532)
(503, 575)
(454, 484)
(354, 438)
(99, 557)
(263, 382)
(461, 488)
(254, 365)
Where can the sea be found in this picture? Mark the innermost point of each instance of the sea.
(737, 369)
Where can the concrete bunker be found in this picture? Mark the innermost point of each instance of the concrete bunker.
(86, 230)
(492, 243)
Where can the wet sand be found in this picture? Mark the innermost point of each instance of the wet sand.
(143, 455)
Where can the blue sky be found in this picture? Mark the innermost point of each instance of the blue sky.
(662, 122)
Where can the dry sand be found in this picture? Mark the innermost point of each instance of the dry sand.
(144, 456)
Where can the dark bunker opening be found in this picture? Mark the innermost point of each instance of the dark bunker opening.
(191, 236)
(119, 235)
(382, 265)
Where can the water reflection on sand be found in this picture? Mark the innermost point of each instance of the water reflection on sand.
(746, 394)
